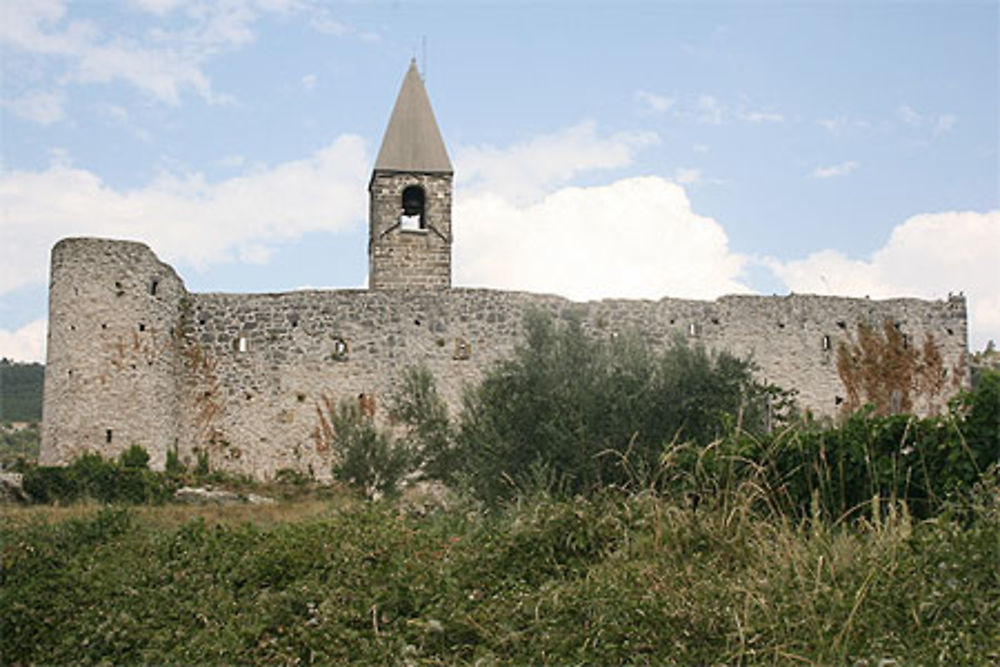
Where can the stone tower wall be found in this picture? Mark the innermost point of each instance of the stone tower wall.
(110, 372)
(253, 373)
(400, 258)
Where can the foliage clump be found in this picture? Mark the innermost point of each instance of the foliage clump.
(19, 444)
(127, 480)
(609, 579)
(366, 457)
(573, 409)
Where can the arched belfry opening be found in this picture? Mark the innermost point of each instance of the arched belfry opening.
(409, 220)
(412, 216)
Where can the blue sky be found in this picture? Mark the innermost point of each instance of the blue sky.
(640, 149)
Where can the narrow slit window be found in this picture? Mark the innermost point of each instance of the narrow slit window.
(693, 329)
(826, 343)
(152, 287)
(241, 344)
(107, 436)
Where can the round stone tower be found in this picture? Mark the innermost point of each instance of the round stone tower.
(110, 378)
(409, 243)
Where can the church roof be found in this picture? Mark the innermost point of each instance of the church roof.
(412, 141)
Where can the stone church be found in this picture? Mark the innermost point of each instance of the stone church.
(134, 358)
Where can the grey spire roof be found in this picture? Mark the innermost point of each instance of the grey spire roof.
(412, 142)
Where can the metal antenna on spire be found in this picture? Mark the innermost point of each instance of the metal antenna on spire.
(423, 46)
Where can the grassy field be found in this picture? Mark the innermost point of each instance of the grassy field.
(611, 579)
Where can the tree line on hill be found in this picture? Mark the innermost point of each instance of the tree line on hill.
(21, 391)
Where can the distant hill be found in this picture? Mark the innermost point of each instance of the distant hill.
(20, 391)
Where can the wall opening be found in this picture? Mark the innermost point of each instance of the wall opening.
(142, 327)
(152, 287)
(463, 350)
(413, 201)
(693, 329)
(826, 343)
(241, 344)
(340, 349)
(107, 436)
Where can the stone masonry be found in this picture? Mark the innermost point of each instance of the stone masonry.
(245, 379)
(136, 359)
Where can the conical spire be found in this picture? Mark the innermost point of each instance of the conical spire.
(412, 142)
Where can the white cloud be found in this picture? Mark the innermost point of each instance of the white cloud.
(24, 344)
(938, 123)
(926, 256)
(944, 123)
(687, 175)
(41, 106)
(159, 7)
(709, 110)
(182, 216)
(165, 63)
(843, 125)
(308, 82)
(637, 237)
(528, 170)
(909, 115)
(762, 116)
(653, 102)
(836, 170)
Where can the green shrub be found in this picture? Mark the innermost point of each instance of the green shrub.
(366, 458)
(19, 445)
(924, 462)
(418, 407)
(615, 578)
(134, 457)
(579, 407)
(91, 476)
(174, 467)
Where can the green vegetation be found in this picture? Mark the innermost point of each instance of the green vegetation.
(607, 579)
(570, 414)
(19, 444)
(614, 504)
(579, 413)
(127, 480)
(369, 458)
(20, 391)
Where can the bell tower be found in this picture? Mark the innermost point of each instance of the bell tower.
(409, 218)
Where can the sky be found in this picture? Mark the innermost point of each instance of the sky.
(601, 149)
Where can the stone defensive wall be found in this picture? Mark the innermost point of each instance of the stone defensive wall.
(133, 358)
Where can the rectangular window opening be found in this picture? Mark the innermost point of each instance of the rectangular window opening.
(107, 436)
